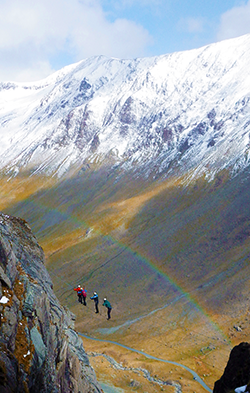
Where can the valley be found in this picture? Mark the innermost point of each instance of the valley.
(173, 260)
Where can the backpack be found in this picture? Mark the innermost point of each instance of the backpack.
(84, 294)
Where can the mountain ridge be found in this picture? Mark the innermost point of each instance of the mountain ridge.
(159, 115)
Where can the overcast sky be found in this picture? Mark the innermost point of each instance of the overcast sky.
(38, 37)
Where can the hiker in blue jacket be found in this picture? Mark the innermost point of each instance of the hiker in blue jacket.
(108, 305)
(96, 300)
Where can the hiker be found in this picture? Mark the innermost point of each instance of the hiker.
(84, 296)
(81, 293)
(108, 305)
(96, 300)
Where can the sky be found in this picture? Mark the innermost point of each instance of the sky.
(42, 36)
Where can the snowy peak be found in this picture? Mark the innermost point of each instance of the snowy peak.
(188, 108)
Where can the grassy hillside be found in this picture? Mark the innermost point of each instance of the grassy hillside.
(178, 251)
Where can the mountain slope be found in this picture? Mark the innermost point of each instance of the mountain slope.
(186, 110)
(134, 176)
(172, 259)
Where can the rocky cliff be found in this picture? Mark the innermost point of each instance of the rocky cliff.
(237, 371)
(39, 349)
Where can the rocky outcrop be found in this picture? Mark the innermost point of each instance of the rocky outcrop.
(237, 371)
(39, 349)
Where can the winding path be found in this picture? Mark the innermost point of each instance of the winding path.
(195, 376)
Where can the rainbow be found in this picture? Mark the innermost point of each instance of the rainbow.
(146, 263)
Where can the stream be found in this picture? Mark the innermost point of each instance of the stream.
(195, 376)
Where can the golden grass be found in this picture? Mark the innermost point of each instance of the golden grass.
(118, 214)
(107, 218)
(63, 242)
(17, 189)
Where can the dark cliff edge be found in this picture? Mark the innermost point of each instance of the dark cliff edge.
(39, 349)
(237, 371)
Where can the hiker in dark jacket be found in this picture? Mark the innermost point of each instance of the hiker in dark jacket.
(84, 296)
(96, 300)
(108, 305)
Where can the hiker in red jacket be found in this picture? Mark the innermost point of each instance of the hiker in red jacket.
(81, 293)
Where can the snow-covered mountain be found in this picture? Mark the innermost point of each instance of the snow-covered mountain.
(182, 111)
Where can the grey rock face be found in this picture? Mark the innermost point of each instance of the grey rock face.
(39, 349)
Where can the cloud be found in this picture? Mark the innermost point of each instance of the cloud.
(36, 35)
(130, 3)
(234, 22)
(191, 25)
(19, 66)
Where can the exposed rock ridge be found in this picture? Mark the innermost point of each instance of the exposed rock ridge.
(39, 349)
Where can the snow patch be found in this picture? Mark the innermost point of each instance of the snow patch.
(4, 300)
(241, 389)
